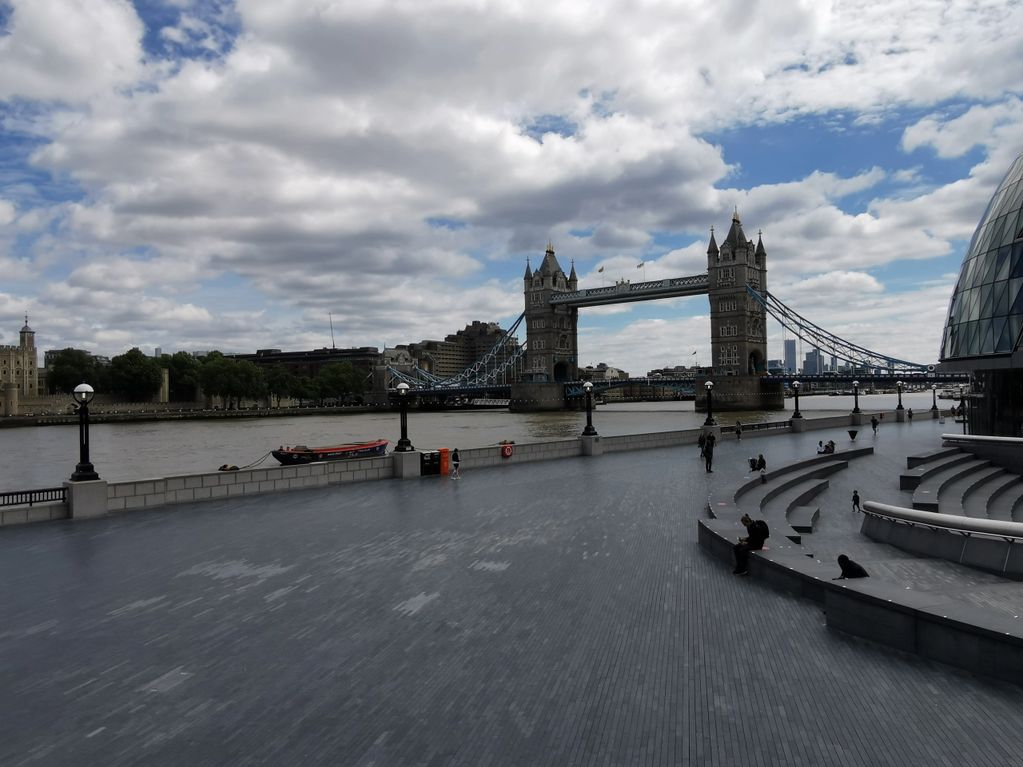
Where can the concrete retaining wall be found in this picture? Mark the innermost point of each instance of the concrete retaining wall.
(149, 493)
(40, 512)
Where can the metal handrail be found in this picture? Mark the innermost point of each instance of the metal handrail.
(955, 523)
(32, 497)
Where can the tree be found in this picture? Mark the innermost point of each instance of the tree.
(183, 371)
(231, 379)
(280, 382)
(69, 368)
(135, 376)
(339, 379)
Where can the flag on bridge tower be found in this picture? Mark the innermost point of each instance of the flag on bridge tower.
(600, 270)
(640, 264)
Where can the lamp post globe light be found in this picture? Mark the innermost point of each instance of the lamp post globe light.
(709, 385)
(898, 385)
(404, 445)
(84, 471)
(856, 396)
(589, 431)
(934, 397)
(795, 393)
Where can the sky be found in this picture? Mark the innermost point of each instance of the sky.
(238, 174)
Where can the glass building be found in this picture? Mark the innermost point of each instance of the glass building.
(985, 315)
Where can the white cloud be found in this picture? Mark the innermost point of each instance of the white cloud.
(381, 160)
(69, 51)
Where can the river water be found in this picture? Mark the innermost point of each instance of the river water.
(44, 456)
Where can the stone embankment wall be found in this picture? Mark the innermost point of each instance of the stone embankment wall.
(164, 491)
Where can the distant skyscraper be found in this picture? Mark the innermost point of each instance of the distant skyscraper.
(158, 352)
(813, 363)
(790, 355)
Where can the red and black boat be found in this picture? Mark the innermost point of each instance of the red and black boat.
(299, 454)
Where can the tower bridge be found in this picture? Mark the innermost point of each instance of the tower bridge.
(544, 371)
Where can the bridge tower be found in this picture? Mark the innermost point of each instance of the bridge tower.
(552, 356)
(738, 324)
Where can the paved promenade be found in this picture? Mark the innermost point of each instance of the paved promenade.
(554, 613)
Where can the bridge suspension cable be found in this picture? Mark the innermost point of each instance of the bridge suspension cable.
(821, 339)
(483, 372)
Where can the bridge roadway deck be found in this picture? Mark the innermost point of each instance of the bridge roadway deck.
(553, 614)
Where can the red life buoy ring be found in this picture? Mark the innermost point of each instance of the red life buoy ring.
(506, 451)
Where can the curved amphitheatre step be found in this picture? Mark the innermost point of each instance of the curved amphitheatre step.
(911, 479)
(1006, 502)
(979, 499)
(913, 461)
(932, 485)
(952, 498)
(778, 510)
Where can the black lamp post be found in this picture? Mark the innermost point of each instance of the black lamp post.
(962, 407)
(795, 393)
(82, 396)
(404, 445)
(710, 404)
(898, 385)
(856, 396)
(589, 431)
(934, 397)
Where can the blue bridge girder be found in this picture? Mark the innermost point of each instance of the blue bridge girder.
(624, 291)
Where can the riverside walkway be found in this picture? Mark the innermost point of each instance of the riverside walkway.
(553, 613)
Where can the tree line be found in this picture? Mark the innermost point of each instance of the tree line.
(135, 377)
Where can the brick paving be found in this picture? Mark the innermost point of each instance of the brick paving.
(552, 614)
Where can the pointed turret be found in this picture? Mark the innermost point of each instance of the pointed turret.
(27, 337)
(761, 252)
(573, 280)
(736, 237)
(550, 266)
(712, 249)
(529, 272)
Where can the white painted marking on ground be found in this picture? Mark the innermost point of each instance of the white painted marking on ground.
(416, 603)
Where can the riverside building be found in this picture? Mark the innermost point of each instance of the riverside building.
(985, 315)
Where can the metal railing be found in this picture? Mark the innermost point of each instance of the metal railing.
(32, 497)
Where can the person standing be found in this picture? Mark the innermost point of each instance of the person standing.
(738, 431)
(909, 415)
(856, 500)
(702, 442)
(456, 459)
(708, 452)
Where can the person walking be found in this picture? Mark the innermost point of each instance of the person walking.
(708, 452)
(873, 424)
(456, 459)
(856, 500)
(909, 415)
(738, 431)
(702, 442)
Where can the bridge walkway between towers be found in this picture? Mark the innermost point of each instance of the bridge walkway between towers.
(555, 614)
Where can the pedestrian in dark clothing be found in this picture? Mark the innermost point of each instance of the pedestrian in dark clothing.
(756, 533)
(456, 459)
(873, 423)
(856, 500)
(849, 569)
(909, 415)
(738, 431)
(708, 452)
(702, 442)
(761, 466)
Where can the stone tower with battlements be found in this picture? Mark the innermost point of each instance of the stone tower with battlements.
(738, 322)
(551, 353)
(19, 371)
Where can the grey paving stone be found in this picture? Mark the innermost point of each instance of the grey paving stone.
(552, 614)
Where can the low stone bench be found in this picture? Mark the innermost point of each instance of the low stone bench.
(913, 461)
(928, 491)
(910, 480)
(930, 624)
(803, 519)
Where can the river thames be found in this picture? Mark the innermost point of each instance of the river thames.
(44, 456)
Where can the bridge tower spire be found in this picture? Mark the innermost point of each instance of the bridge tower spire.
(737, 322)
(552, 347)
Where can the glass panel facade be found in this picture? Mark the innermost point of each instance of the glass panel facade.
(986, 308)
